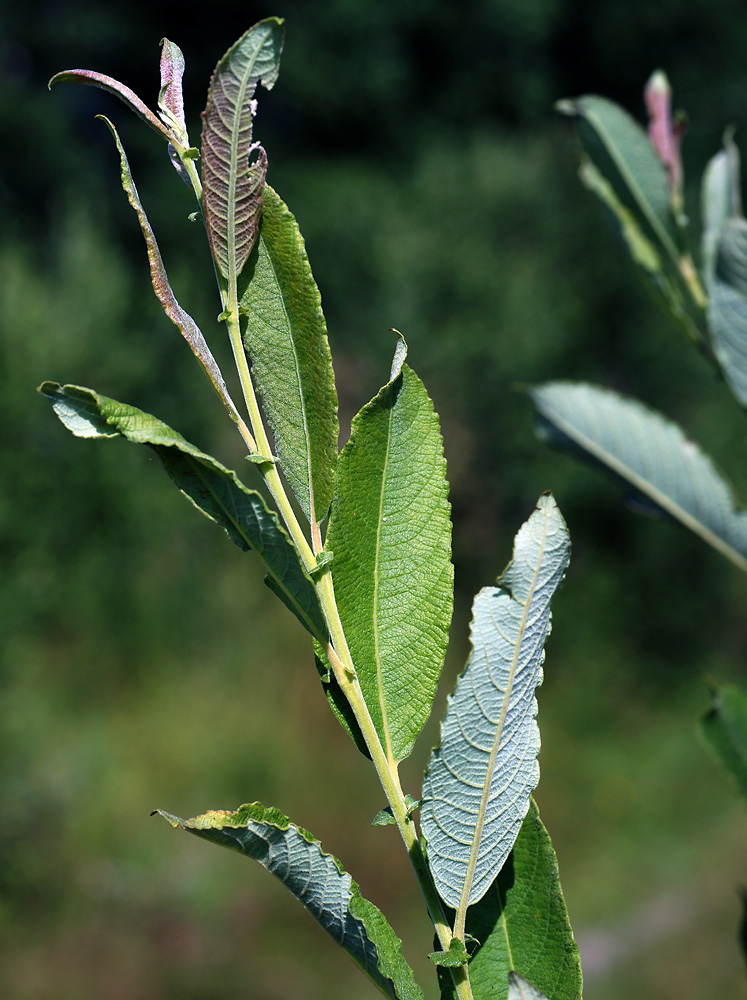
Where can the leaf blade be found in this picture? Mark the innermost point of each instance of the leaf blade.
(214, 490)
(723, 729)
(390, 532)
(477, 788)
(232, 186)
(648, 452)
(319, 882)
(522, 925)
(285, 336)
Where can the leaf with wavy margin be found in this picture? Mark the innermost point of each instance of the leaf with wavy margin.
(232, 187)
(649, 453)
(317, 880)
(214, 490)
(390, 533)
(285, 336)
(479, 780)
(521, 926)
(178, 316)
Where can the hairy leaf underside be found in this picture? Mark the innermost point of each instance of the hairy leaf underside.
(232, 186)
(317, 880)
(479, 781)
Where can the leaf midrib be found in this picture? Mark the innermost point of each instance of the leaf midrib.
(377, 560)
(647, 488)
(474, 853)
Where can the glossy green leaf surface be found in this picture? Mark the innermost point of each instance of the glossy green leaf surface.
(232, 186)
(477, 788)
(522, 925)
(317, 880)
(390, 532)
(213, 489)
(286, 339)
(178, 316)
(649, 453)
(723, 729)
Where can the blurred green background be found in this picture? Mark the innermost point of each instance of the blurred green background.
(145, 665)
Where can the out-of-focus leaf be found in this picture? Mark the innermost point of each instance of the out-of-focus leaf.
(727, 303)
(522, 925)
(213, 489)
(723, 729)
(649, 453)
(127, 96)
(286, 338)
(477, 789)
(720, 200)
(390, 533)
(178, 316)
(317, 880)
(232, 187)
(623, 156)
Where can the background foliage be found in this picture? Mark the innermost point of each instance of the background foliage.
(143, 662)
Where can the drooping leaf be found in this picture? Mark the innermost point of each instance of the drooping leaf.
(522, 926)
(178, 316)
(319, 881)
(479, 780)
(390, 533)
(623, 155)
(720, 200)
(286, 338)
(213, 489)
(649, 453)
(232, 187)
(723, 729)
(127, 96)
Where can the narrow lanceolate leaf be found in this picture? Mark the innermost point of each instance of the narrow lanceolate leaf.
(623, 156)
(213, 489)
(723, 729)
(317, 880)
(232, 186)
(479, 780)
(286, 338)
(720, 200)
(390, 533)
(171, 99)
(522, 926)
(127, 96)
(648, 452)
(181, 319)
(727, 305)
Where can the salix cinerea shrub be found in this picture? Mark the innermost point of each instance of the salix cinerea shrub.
(357, 547)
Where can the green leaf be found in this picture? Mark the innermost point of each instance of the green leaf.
(522, 926)
(286, 338)
(649, 453)
(319, 881)
(453, 958)
(727, 306)
(479, 780)
(723, 729)
(181, 319)
(213, 489)
(720, 200)
(232, 187)
(337, 701)
(639, 194)
(390, 533)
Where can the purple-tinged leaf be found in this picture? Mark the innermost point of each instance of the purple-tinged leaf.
(232, 185)
(171, 100)
(112, 86)
(189, 329)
